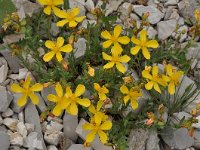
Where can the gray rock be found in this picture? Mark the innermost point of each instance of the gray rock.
(153, 141)
(181, 33)
(16, 139)
(166, 28)
(180, 115)
(80, 48)
(4, 141)
(79, 147)
(14, 105)
(53, 137)
(187, 8)
(89, 4)
(34, 140)
(151, 32)
(11, 123)
(197, 139)
(5, 99)
(46, 91)
(54, 29)
(96, 144)
(154, 14)
(13, 61)
(112, 6)
(32, 117)
(125, 9)
(193, 52)
(194, 63)
(197, 125)
(3, 70)
(22, 73)
(13, 38)
(41, 106)
(21, 128)
(137, 139)
(70, 124)
(51, 147)
(1, 120)
(171, 2)
(78, 3)
(7, 113)
(67, 143)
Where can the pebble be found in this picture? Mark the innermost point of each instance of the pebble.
(14, 105)
(153, 141)
(4, 141)
(11, 123)
(22, 73)
(53, 137)
(112, 6)
(79, 147)
(80, 48)
(13, 38)
(51, 147)
(7, 113)
(33, 140)
(3, 69)
(21, 128)
(16, 139)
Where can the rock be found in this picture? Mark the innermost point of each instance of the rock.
(78, 3)
(154, 14)
(46, 91)
(53, 137)
(1, 120)
(13, 38)
(4, 141)
(33, 140)
(96, 144)
(171, 2)
(194, 63)
(32, 117)
(80, 48)
(41, 106)
(21, 128)
(197, 125)
(151, 32)
(12, 60)
(51, 147)
(193, 52)
(137, 139)
(22, 73)
(29, 127)
(70, 124)
(14, 105)
(3, 69)
(177, 139)
(89, 4)
(153, 141)
(112, 6)
(85, 25)
(55, 30)
(7, 113)
(166, 28)
(16, 139)
(11, 123)
(54, 126)
(187, 8)
(197, 139)
(179, 116)
(79, 147)
(125, 9)
(3, 129)
(181, 33)
(67, 143)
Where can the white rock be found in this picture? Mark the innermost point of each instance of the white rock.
(182, 33)
(55, 119)
(7, 113)
(89, 5)
(85, 24)
(171, 2)
(3, 70)
(125, 9)
(79, 147)
(193, 52)
(53, 138)
(166, 28)
(153, 141)
(80, 48)
(112, 6)
(51, 147)
(11, 123)
(96, 144)
(33, 140)
(197, 125)
(4, 141)
(16, 139)
(13, 76)
(22, 73)
(21, 128)
(154, 14)
(54, 126)
(151, 32)
(29, 127)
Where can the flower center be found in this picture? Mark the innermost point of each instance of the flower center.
(115, 59)
(114, 39)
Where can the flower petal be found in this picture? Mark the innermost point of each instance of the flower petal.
(48, 56)
(37, 87)
(149, 85)
(79, 19)
(117, 30)
(72, 24)
(146, 74)
(90, 137)
(123, 40)
(106, 35)
(134, 104)
(109, 65)
(135, 50)
(50, 44)
(102, 96)
(99, 105)
(59, 90)
(124, 59)
(145, 53)
(135, 41)
(73, 109)
(124, 89)
(88, 126)
(56, 10)
(57, 110)
(27, 82)
(126, 99)
(107, 125)
(84, 102)
(80, 89)
(103, 137)
(171, 88)
(92, 109)
(75, 11)
(22, 100)
(47, 10)
(59, 56)
(157, 88)
(52, 98)
(120, 67)
(152, 44)
(68, 91)
(107, 43)
(62, 22)
(58, 2)
(106, 56)
(67, 48)
(60, 42)
(97, 86)
(169, 69)
(42, 2)
(60, 13)
(98, 118)
(34, 98)
(143, 36)
(16, 88)
(155, 70)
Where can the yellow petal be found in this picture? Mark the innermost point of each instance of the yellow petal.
(48, 56)
(16, 88)
(157, 88)
(60, 42)
(143, 36)
(37, 87)
(120, 67)
(106, 57)
(152, 44)
(79, 19)
(149, 85)
(99, 105)
(108, 65)
(135, 41)
(73, 109)
(104, 90)
(97, 86)
(56, 11)
(171, 88)
(126, 99)
(84, 102)
(124, 89)
(135, 50)
(50, 44)
(102, 96)
(134, 104)
(146, 74)
(92, 109)
(59, 90)
(117, 30)
(145, 53)
(68, 91)
(123, 40)
(107, 43)
(62, 22)
(47, 10)
(72, 24)
(52, 98)
(90, 137)
(27, 82)
(116, 49)
(80, 89)
(67, 48)
(75, 11)
(103, 137)
(61, 13)
(98, 118)
(34, 98)
(177, 75)
(22, 100)
(59, 56)
(124, 59)
(169, 69)
(42, 2)
(88, 126)
(155, 70)
(57, 110)
(58, 2)
(106, 35)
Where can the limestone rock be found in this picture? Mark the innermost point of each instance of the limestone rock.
(4, 141)
(11, 123)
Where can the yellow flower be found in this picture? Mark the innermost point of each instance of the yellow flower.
(91, 71)
(59, 99)
(69, 17)
(56, 48)
(97, 127)
(197, 15)
(153, 80)
(143, 44)
(27, 91)
(173, 78)
(102, 91)
(50, 5)
(115, 38)
(73, 99)
(128, 79)
(132, 95)
(117, 60)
